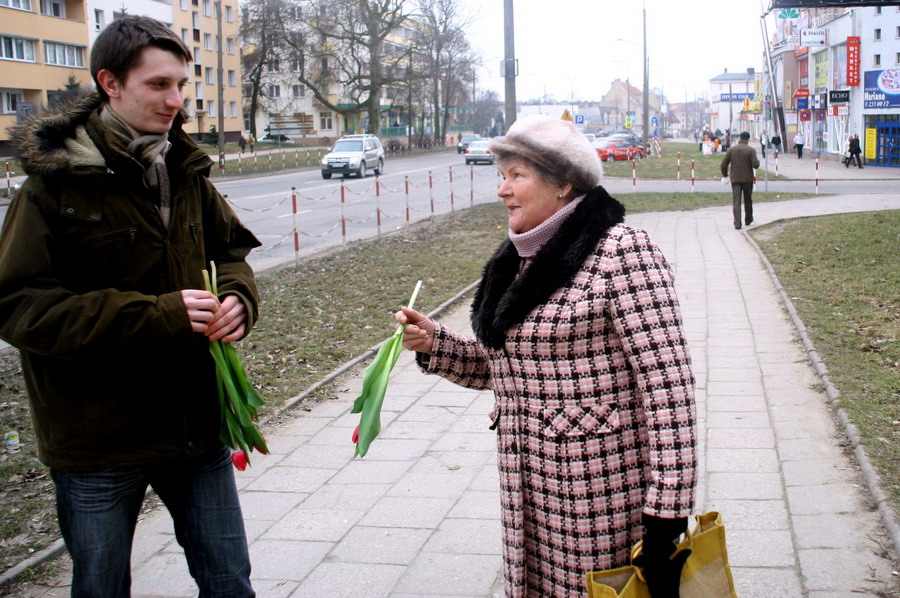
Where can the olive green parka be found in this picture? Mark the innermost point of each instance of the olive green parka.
(90, 283)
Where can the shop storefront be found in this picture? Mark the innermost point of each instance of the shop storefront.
(882, 118)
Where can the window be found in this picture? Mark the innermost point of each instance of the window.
(206, 10)
(878, 35)
(210, 75)
(207, 41)
(274, 91)
(99, 19)
(211, 106)
(183, 4)
(53, 8)
(16, 48)
(11, 101)
(273, 66)
(898, 31)
(229, 45)
(229, 14)
(198, 90)
(195, 19)
(298, 91)
(199, 103)
(876, 60)
(197, 56)
(897, 58)
(63, 54)
(21, 4)
(295, 65)
(232, 109)
(186, 36)
(232, 79)
(325, 122)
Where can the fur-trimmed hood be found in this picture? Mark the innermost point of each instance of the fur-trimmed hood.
(504, 298)
(55, 139)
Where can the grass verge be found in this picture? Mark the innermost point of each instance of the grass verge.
(314, 317)
(841, 274)
(666, 166)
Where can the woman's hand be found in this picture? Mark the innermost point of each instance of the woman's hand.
(418, 333)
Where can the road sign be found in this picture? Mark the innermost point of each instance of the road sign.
(579, 119)
(654, 121)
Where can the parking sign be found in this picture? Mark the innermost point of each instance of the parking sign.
(579, 119)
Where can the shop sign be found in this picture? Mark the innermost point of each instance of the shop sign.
(839, 110)
(805, 115)
(813, 38)
(853, 43)
(837, 96)
(882, 89)
(802, 92)
(820, 115)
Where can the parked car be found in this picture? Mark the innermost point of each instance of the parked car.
(610, 150)
(354, 154)
(590, 136)
(478, 152)
(276, 137)
(464, 141)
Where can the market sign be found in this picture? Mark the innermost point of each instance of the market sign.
(845, 3)
(853, 43)
(838, 95)
(802, 92)
(813, 38)
(882, 89)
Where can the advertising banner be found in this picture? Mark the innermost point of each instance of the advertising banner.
(853, 43)
(882, 89)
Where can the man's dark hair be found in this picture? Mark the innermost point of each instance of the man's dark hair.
(118, 48)
(745, 135)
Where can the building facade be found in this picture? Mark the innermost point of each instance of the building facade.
(734, 101)
(836, 73)
(45, 52)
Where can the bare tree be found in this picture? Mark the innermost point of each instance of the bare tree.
(448, 57)
(259, 26)
(343, 51)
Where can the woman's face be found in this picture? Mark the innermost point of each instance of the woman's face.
(528, 198)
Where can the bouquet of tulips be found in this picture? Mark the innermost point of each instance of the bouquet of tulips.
(375, 381)
(238, 399)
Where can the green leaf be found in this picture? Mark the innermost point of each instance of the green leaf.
(375, 381)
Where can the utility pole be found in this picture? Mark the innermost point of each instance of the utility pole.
(646, 115)
(220, 87)
(509, 64)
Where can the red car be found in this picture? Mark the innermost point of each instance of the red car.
(610, 151)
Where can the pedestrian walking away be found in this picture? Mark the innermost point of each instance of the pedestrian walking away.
(855, 152)
(799, 141)
(763, 142)
(243, 143)
(579, 335)
(252, 142)
(101, 289)
(739, 165)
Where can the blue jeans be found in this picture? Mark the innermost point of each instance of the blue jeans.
(98, 512)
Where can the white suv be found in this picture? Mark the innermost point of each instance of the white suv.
(354, 154)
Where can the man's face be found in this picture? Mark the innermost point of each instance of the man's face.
(152, 93)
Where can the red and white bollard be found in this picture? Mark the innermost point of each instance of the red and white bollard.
(692, 175)
(817, 176)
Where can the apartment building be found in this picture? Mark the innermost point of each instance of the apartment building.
(45, 50)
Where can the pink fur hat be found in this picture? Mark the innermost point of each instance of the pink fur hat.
(556, 146)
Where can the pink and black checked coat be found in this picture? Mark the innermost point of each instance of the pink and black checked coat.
(594, 397)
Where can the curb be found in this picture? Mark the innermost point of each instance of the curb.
(58, 548)
(872, 479)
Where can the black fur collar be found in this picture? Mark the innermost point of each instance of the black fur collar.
(502, 300)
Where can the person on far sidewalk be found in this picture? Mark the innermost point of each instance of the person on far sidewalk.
(776, 143)
(799, 141)
(743, 162)
(855, 152)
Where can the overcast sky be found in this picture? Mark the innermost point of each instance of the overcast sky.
(570, 47)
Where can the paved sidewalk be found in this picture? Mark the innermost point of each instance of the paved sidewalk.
(419, 517)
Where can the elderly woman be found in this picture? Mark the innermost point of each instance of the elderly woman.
(578, 333)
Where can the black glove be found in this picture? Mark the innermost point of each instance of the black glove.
(663, 574)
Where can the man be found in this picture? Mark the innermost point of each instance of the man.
(743, 161)
(799, 142)
(101, 260)
(776, 143)
(855, 152)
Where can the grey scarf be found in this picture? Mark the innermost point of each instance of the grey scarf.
(150, 151)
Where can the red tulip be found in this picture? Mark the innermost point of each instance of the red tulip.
(356, 435)
(239, 459)
(263, 450)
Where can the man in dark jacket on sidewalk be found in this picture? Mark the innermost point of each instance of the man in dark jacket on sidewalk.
(101, 290)
(743, 162)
